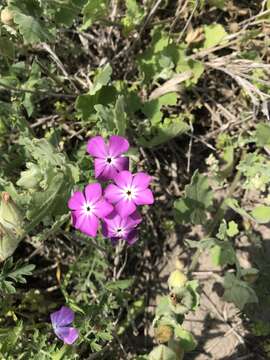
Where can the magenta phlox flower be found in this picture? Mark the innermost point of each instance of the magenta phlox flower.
(88, 207)
(61, 321)
(115, 227)
(129, 191)
(108, 157)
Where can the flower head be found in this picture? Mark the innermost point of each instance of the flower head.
(108, 157)
(87, 207)
(61, 320)
(130, 190)
(117, 228)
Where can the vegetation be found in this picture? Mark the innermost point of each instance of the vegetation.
(183, 88)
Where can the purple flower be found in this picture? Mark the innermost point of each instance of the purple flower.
(108, 158)
(117, 228)
(60, 320)
(129, 191)
(87, 207)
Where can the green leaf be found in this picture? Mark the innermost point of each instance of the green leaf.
(6, 47)
(233, 204)
(67, 10)
(15, 273)
(85, 104)
(228, 162)
(262, 134)
(165, 132)
(261, 214)
(187, 340)
(119, 284)
(223, 253)
(120, 116)
(214, 35)
(198, 199)
(232, 229)
(133, 17)
(196, 67)
(93, 11)
(220, 4)
(238, 291)
(101, 79)
(162, 352)
(193, 287)
(152, 109)
(27, 15)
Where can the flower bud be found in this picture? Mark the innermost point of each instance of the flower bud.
(8, 243)
(11, 226)
(30, 178)
(7, 17)
(177, 279)
(163, 333)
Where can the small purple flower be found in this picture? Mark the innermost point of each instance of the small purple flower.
(116, 227)
(61, 320)
(108, 158)
(87, 207)
(129, 191)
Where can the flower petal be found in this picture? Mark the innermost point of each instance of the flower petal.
(121, 163)
(105, 229)
(99, 167)
(132, 221)
(109, 172)
(118, 145)
(144, 197)
(68, 334)
(93, 192)
(125, 207)
(87, 224)
(97, 147)
(103, 208)
(141, 180)
(123, 179)
(62, 317)
(113, 194)
(132, 237)
(73, 218)
(76, 201)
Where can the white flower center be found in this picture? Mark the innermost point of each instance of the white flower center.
(88, 208)
(118, 231)
(129, 193)
(110, 160)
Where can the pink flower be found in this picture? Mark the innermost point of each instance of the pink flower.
(61, 321)
(108, 158)
(118, 228)
(87, 207)
(129, 191)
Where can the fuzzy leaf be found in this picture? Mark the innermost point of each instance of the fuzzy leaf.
(187, 341)
(101, 79)
(214, 35)
(261, 214)
(238, 291)
(27, 15)
(162, 352)
(152, 109)
(120, 116)
(198, 199)
(93, 11)
(262, 134)
(232, 229)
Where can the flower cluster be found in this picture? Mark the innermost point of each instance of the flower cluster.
(116, 205)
